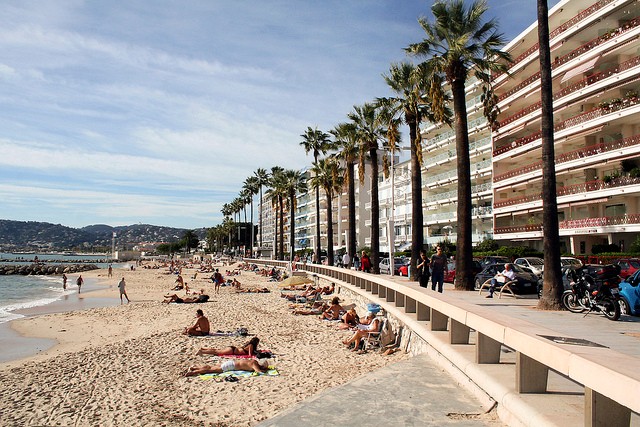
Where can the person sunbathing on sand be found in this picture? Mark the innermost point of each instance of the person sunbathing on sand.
(186, 300)
(201, 327)
(254, 365)
(333, 312)
(370, 324)
(253, 291)
(248, 349)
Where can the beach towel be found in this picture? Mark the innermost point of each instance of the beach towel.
(272, 372)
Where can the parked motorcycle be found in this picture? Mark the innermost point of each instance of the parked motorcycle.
(593, 294)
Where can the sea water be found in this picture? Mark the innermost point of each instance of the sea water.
(19, 292)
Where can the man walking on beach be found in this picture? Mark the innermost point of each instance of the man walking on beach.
(79, 282)
(64, 282)
(110, 273)
(217, 280)
(121, 286)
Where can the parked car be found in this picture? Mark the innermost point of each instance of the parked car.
(535, 264)
(397, 263)
(450, 275)
(567, 261)
(630, 295)
(628, 266)
(488, 260)
(527, 281)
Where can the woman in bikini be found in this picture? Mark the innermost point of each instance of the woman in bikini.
(247, 349)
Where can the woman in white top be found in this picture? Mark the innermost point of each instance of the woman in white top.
(370, 324)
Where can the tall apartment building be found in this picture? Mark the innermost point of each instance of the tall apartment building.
(596, 66)
(305, 220)
(395, 208)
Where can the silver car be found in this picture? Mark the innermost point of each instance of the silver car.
(535, 264)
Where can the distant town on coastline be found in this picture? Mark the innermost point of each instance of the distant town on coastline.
(43, 236)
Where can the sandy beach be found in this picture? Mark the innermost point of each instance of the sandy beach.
(122, 365)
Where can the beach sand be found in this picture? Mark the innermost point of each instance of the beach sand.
(122, 365)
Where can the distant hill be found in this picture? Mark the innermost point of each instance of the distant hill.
(34, 236)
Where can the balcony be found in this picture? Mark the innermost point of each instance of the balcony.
(450, 196)
(570, 190)
(559, 30)
(571, 122)
(627, 65)
(607, 221)
(582, 153)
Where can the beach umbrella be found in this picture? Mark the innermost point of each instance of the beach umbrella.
(295, 281)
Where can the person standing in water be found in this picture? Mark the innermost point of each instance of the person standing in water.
(64, 282)
(79, 282)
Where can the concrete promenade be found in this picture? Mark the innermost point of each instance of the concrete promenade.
(419, 392)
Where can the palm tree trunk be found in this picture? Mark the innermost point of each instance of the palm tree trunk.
(464, 258)
(329, 230)
(417, 231)
(352, 213)
(281, 228)
(292, 231)
(375, 213)
(252, 230)
(275, 234)
(552, 284)
(316, 255)
(260, 218)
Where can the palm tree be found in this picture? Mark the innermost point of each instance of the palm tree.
(410, 86)
(369, 132)
(294, 182)
(457, 43)
(277, 198)
(328, 175)
(552, 287)
(251, 187)
(317, 142)
(262, 179)
(346, 142)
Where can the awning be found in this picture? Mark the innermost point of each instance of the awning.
(583, 68)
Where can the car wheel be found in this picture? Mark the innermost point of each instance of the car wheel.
(624, 307)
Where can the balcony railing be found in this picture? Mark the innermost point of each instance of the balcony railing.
(633, 62)
(570, 122)
(600, 222)
(628, 26)
(454, 194)
(581, 153)
(560, 29)
(568, 190)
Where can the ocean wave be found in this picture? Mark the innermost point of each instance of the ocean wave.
(7, 311)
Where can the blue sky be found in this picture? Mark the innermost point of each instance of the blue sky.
(125, 112)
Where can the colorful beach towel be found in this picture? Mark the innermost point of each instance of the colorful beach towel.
(272, 372)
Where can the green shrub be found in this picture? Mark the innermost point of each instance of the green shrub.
(599, 249)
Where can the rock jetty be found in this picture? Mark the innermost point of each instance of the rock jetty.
(45, 269)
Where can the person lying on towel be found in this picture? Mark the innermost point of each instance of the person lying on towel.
(254, 365)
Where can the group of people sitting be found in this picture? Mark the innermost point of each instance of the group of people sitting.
(348, 317)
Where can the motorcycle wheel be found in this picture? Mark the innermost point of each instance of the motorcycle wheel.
(571, 303)
(624, 307)
(610, 308)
